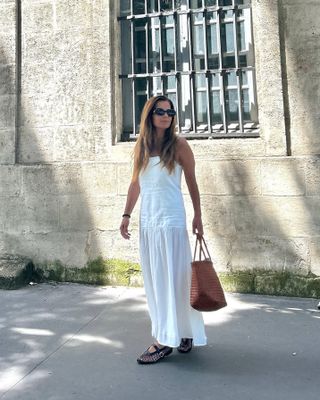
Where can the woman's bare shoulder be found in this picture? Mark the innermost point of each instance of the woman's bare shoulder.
(182, 144)
(183, 149)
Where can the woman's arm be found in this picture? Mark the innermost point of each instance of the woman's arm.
(186, 159)
(132, 197)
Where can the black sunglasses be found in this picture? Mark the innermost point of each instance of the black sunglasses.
(160, 111)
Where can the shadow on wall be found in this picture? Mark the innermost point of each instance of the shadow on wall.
(56, 201)
(253, 227)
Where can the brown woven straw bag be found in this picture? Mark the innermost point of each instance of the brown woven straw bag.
(206, 291)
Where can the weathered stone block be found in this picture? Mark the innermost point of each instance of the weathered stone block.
(110, 244)
(216, 214)
(36, 144)
(228, 148)
(302, 14)
(37, 110)
(74, 214)
(102, 141)
(7, 48)
(303, 72)
(7, 111)
(269, 76)
(38, 79)
(101, 100)
(99, 179)
(52, 179)
(39, 47)
(7, 80)
(249, 214)
(229, 177)
(276, 216)
(106, 212)
(74, 143)
(7, 146)
(73, 14)
(72, 63)
(122, 152)
(315, 255)
(272, 253)
(7, 17)
(72, 110)
(67, 247)
(313, 177)
(8, 244)
(297, 217)
(37, 16)
(36, 214)
(10, 181)
(283, 177)
(15, 271)
(124, 175)
(101, 12)
(72, 78)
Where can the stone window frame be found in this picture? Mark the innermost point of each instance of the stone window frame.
(269, 86)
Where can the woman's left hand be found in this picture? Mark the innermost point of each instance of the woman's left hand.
(197, 227)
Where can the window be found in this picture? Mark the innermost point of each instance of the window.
(197, 52)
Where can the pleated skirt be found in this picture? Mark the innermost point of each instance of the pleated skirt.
(165, 257)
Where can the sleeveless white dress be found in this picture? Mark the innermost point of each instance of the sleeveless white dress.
(165, 257)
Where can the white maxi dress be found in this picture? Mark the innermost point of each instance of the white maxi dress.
(165, 257)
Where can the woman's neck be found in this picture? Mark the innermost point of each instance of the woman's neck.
(160, 134)
(157, 144)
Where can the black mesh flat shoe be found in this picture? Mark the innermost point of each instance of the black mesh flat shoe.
(151, 357)
(185, 345)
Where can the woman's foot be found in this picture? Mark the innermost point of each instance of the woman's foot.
(185, 345)
(154, 354)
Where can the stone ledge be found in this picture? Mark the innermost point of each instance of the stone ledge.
(125, 273)
(97, 272)
(119, 272)
(272, 283)
(15, 271)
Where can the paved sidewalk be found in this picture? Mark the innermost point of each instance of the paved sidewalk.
(69, 341)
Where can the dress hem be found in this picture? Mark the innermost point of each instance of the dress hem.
(195, 343)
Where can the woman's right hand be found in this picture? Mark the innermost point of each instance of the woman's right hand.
(124, 228)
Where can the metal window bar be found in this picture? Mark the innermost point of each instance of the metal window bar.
(208, 77)
(192, 72)
(238, 70)
(160, 48)
(147, 54)
(221, 73)
(176, 39)
(132, 36)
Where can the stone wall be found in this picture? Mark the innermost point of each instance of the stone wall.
(64, 176)
(7, 84)
(301, 58)
(61, 135)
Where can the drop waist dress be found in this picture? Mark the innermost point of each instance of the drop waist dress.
(165, 257)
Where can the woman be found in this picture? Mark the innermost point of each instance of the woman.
(159, 158)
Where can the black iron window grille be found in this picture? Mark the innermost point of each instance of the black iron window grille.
(197, 52)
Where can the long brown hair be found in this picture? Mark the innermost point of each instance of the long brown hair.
(146, 139)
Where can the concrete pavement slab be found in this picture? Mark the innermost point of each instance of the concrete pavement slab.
(69, 341)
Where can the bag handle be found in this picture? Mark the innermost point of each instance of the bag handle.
(203, 250)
